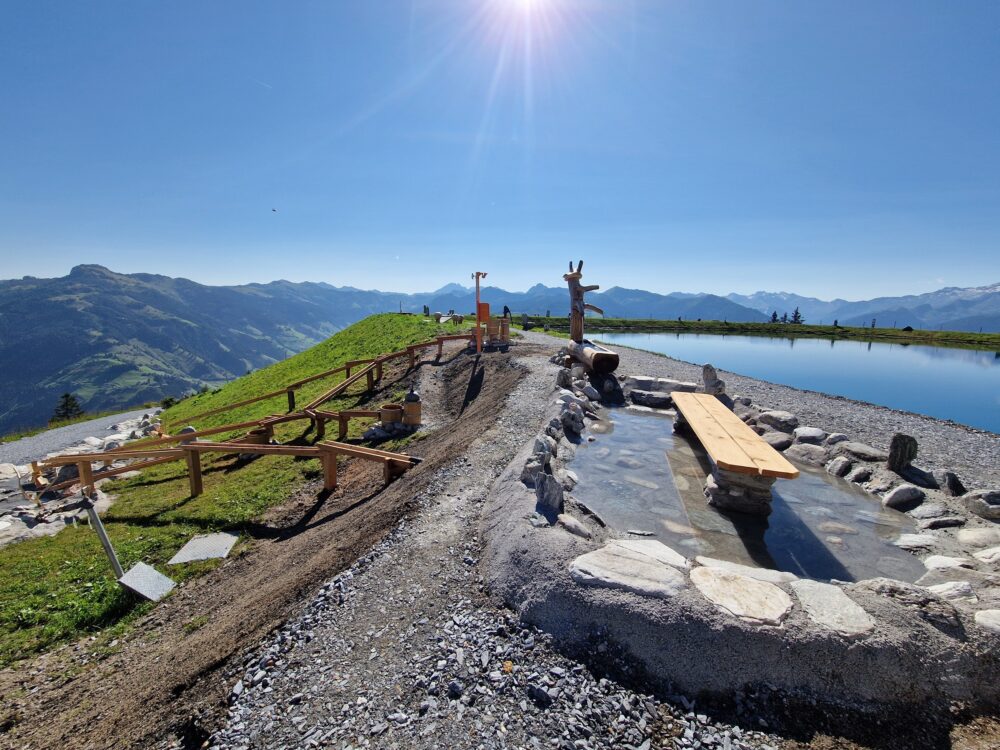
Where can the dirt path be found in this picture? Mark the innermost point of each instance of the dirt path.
(166, 679)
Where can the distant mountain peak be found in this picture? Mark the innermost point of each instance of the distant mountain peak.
(453, 288)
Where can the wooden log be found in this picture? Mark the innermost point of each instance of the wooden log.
(77, 457)
(113, 472)
(594, 357)
(194, 472)
(264, 450)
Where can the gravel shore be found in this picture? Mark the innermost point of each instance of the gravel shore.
(971, 453)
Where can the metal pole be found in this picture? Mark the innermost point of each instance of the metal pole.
(95, 521)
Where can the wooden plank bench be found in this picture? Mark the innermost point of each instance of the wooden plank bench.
(731, 444)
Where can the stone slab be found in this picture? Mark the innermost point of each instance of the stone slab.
(941, 562)
(654, 549)
(147, 582)
(989, 619)
(990, 555)
(829, 606)
(205, 547)
(915, 541)
(746, 598)
(955, 590)
(618, 567)
(759, 574)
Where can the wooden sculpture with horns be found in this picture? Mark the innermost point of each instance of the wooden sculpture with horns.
(577, 307)
(595, 357)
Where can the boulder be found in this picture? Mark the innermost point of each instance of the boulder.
(942, 562)
(859, 474)
(978, 537)
(777, 440)
(955, 591)
(545, 444)
(564, 379)
(590, 392)
(187, 431)
(984, 503)
(532, 468)
(812, 435)
(902, 451)
(813, 455)
(948, 482)
(989, 619)
(710, 377)
(839, 466)
(782, 421)
(549, 495)
(652, 399)
(572, 420)
(573, 526)
(835, 437)
(860, 451)
(904, 496)
(989, 556)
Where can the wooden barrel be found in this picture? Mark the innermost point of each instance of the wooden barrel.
(492, 327)
(411, 413)
(390, 413)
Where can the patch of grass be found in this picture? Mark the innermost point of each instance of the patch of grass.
(954, 339)
(54, 589)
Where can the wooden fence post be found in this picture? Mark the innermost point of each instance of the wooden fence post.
(371, 381)
(320, 428)
(194, 472)
(329, 460)
(291, 400)
(86, 478)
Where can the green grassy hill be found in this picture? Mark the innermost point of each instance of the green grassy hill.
(57, 588)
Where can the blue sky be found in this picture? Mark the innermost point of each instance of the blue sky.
(844, 148)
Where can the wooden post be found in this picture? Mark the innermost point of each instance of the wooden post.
(347, 370)
(194, 472)
(378, 371)
(320, 428)
(86, 478)
(342, 433)
(291, 400)
(329, 460)
(440, 348)
(371, 380)
(411, 353)
(577, 306)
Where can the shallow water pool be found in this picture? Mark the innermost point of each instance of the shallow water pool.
(638, 476)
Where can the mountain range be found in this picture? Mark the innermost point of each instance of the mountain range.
(116, 340)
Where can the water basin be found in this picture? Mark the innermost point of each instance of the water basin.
(637, 475)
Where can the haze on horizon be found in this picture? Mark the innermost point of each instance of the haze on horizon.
(823, 149)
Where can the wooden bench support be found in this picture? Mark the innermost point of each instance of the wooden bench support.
(744, 467)
(329, 460)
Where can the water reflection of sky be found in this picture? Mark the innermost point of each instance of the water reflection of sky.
(958, 384)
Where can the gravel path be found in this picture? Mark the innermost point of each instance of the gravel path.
(971, 453)
(31, 448)
(407, 650)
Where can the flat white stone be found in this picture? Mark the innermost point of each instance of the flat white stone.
(941, 562)
(989, 619)
(617, 566)
(654, 549)
(205, 547)
(915, 541)
(979, 537)
(573, 526)
(759, 574)
(953, 590)
(991, 555)
(746, 598)
(829, 606)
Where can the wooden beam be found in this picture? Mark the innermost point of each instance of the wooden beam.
(86, 478)
(227, 407)
(329, 470)
(194, 472)
(340, 387)
(264, 450)
(77, 457)
(108, 473)
(371, 454)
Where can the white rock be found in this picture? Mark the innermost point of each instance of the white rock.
(829, 606)
(989, 619)
(955, 590)
(573, 526)
(979, 537)
(812, 435)
(759, 574)
(991, 555)
(915, 541)
(654, 549)
(615, 566)
(746, 598)
(942, 562)
(93, 442)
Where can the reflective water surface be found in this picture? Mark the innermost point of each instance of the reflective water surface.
(957, 384)
(638, 475)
